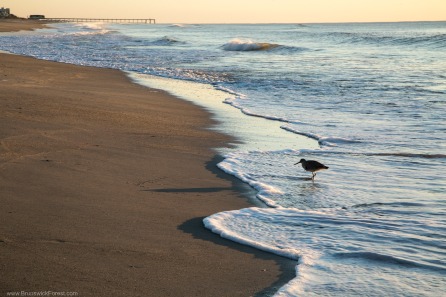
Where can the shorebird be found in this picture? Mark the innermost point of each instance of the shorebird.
(311, 166)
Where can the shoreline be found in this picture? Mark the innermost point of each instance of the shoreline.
(64, 132)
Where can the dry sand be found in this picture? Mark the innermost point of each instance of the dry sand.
(103, 188)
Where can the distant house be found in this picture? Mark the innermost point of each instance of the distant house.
(4, 12)
(36, 16)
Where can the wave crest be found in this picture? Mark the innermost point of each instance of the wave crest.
(244, 45)
(178, 25)
(167, 40)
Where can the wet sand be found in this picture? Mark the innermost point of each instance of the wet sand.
(104, 185)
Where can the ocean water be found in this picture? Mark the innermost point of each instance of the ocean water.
(367, 100)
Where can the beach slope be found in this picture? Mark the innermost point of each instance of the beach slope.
(104, 185)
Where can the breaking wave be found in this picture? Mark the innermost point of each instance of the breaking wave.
(94, 28)
(178, 25)
(245, 45)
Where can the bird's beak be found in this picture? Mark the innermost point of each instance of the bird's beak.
(297, 163)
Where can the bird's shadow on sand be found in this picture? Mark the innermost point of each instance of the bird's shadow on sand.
(196, 228)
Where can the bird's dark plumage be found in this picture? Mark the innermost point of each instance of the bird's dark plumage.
(312, 166)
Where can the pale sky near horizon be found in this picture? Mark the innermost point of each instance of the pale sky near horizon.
(238, 11)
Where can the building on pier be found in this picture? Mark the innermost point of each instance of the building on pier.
(36, 17)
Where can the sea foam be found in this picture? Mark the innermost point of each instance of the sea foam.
(232, 165)
(322, 140)
(345, 242)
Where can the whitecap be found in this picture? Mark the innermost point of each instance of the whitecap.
(243, 45)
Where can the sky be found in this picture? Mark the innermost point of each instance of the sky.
(237, 11)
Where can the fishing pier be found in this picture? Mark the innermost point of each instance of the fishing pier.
(87, 20)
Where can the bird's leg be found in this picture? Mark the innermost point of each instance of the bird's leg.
(314, 174)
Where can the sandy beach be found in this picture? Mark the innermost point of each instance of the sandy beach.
(14, 25)
(104, 185)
